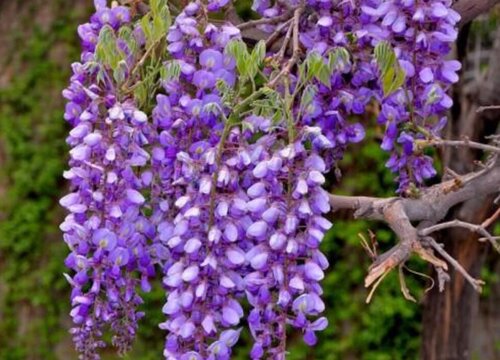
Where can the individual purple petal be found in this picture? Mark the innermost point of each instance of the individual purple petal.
(211, 59)
(310, 338)
(190, 273)
(312, 271)
(426, 75)
(259, 261)
(257, 229)
(120, 256)
(135, 197)
(230, 316)
(235, 256)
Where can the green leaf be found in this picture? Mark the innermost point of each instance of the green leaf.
(256, 59)
(308, 95)
(316, 67)
(212, 108)
(338, 59)
(239, 51)
(171, 71)
(392, 75)
(155, 6)
(146, 28)
(259, 53)
(106, 50)
(126, 34)
(120, 71)
(141, 93)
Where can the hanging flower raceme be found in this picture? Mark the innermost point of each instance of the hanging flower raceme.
(106, 230)
(196, 226)
(421, 32)
(286, 228)
(221, 187)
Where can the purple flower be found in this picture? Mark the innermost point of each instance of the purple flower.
(211, 59)
(104, 239)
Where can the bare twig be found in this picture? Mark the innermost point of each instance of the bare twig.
(277, 33)
(402, 283)
(462, 143)
(284, 45)
(418, 273)
(454, 223)
(486, 223)
(476, 283)
(375, 286)
(266, 21)
(485, 108)
(480, 229)
(296, 48)
(370, 249)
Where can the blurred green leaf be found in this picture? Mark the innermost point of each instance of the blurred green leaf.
(393, 76)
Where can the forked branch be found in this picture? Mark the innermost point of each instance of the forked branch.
(428, 209)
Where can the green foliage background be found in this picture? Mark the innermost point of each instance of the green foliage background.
(33, 292)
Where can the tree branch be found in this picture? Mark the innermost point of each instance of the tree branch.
(432, 206)
(470, 9)
(461, 143)
(433, 203)
(266, 21)
(296, 47)
(476, 283)
(480, 229)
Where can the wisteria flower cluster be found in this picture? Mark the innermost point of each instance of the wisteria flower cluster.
(198, 159)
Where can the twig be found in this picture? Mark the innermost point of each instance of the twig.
(418, 273)
(375, 286)
(266, 21)
(464, 143)
(485, 108)
(371, 250)
(476, 283)
(486, 223)
(296, 48)
(493, 237)
(276, 34)
(402, 282)
(480, 229)
(454, 223)
(281, 54)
